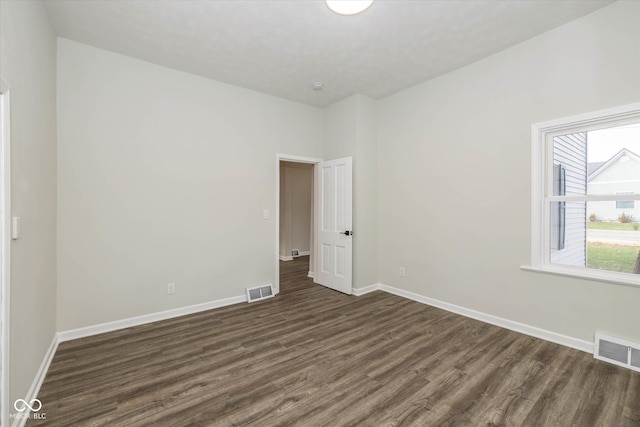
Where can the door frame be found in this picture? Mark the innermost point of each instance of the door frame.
(316, 168)
(5, 241)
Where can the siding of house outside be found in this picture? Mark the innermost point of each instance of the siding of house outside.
(570, 151)
(621, 176)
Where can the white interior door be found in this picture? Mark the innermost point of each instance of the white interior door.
(335, 232)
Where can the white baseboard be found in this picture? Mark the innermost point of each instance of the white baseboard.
(147, 318)
(365, 290)
(291, 257)
(108, 327)
(33, 391)
(522, 328)
(533, 331)
(311, 274)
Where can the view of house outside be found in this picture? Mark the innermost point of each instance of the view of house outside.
(603, 234)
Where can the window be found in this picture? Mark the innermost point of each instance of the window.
(625, 204)
(585, 184)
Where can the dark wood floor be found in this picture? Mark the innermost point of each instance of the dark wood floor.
(315, 357)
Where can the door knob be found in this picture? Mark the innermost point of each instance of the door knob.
(347, 233)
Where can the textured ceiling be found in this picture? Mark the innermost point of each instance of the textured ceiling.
(281, 47)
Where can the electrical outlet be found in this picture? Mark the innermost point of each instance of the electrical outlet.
(402, 272)
(171, 288)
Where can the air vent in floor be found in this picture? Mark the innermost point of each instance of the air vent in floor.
(258, 293)
(617, 351)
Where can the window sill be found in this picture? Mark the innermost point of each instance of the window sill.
(625, 279)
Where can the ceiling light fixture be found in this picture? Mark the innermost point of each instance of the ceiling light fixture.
(348, 7)
(317, 85)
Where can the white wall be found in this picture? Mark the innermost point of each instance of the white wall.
(296, 196)
(365, 195)
(454, 175)
(163, 177)
(349, 131)
(27, 65)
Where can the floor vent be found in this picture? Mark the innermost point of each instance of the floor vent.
(258, 293)
(617, 351)
(295, 252)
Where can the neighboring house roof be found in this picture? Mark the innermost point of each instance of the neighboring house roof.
(596, 168)
(592, 167)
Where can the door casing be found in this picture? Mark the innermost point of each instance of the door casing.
(316, 166)
(5, 250)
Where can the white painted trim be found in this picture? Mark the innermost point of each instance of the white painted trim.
(140, 320)
(291, 257)
(541, 194)
(33, 391)
(101, 328)
(533, 331)
(365, 290)
(310, 274)
(5, 280)
(296, 159)
(522, 328)
(625, 279)
(109, 327)
(595, 198)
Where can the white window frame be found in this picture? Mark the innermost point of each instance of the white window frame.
(542, 192)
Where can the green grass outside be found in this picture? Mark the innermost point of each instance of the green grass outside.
(603, 256)
(612, 226)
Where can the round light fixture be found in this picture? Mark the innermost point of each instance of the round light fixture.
(348, 7)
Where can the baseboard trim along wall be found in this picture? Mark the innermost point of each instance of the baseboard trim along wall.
(34, 390)
(147, 318)
(290, 257)
(182, 311)
(365, 290)
(533, 331)
(108, 327)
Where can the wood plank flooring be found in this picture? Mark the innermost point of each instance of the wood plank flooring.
(315, 357)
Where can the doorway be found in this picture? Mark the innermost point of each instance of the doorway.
(296, 225)
(295, 215)
(331, 223)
